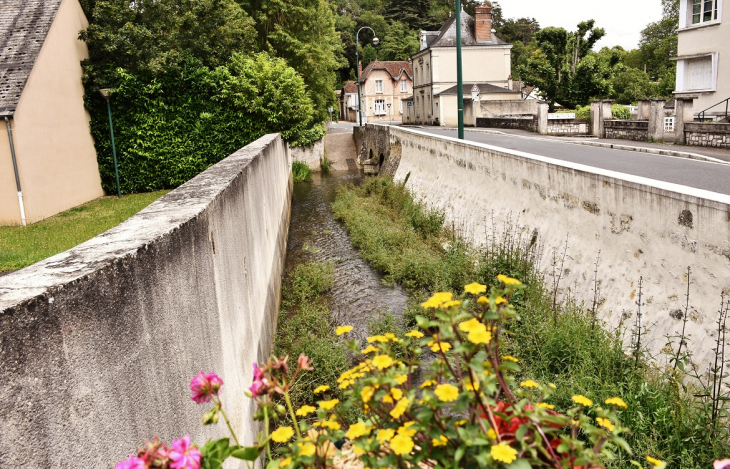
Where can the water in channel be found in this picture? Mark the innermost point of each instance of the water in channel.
(358, 294)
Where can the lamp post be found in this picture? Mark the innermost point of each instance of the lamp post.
(459, 79)
(376, 41)
(107, 93)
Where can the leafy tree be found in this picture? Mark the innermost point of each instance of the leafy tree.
(658, 42)
(399, 43)
(631, 85)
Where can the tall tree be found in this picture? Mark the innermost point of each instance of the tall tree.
(658, 43)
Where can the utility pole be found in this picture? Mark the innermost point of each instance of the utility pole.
(459, 78)
(376, 41)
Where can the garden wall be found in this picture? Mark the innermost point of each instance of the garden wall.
(707, 134)
(642, 227)
(311, 155)
(565, 127)
(98, 344)
(523, 123)
(626, 129)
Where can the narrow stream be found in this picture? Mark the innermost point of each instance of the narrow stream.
(358, 293)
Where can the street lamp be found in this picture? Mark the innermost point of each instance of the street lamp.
(376, 41)
(107, 94)
(459, 79)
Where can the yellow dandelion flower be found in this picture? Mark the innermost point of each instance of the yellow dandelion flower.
(529, 384)
(446, 392)
(387, 399)
(357, 430)
(582, 400)
(390, 336)
(382, 361)
(451, 303)
(471, 387)
(285, 462)
(385, 435)
(617, 401)
(459, 423)
(358, 451)
(320, 389)
(480, 336)
(308, 449)
(545, 405)
(377, 338)
(605, 423)
(491, 434)
(552, 386)
(503, 453)
(332, 425)
(500, 300)
(401, 444)
(472, 324)
(483, 300)
(437, 300)
(328, 405)
(282, 434)
(400, 378)
(442, 346)
(396, 393)
(428, 383)
(343, 330)
(369, 349)
(406, 430)
(442, 441)
(656, 463)
(508, 280)
(475, 288)
(416, 334)
(346, 384)
(509, 358)
(367, 393)
(305, 410)
(399, 408)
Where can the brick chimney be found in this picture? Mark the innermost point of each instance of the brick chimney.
(359, 68)
(483, 22)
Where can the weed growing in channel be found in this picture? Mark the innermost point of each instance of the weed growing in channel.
(301, 172)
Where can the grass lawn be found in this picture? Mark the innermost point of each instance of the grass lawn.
(21, 247)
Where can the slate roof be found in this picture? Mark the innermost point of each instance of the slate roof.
(484, 88)
(24, 25)
(394, 68)
(447, 34)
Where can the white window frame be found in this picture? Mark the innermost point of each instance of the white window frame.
(686, 14)
(379, 107)
(404, 86)
(669, 124)
(379, 86)
(400, 102)
(682, 72)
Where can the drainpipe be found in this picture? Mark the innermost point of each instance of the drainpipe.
(15, 168)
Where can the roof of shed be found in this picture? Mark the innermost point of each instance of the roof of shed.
(394, 68)
(24, 25)
(484, 88)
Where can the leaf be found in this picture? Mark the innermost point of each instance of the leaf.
(520, 464)
(249, 453)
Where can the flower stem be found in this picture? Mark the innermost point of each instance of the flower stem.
(225, 417)
(291, 412)
(266, 429)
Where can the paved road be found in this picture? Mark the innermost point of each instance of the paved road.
(709, 176)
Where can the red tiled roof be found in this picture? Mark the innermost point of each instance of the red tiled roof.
(394, 68)
(350, 87)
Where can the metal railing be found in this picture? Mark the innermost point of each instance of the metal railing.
(725, 102)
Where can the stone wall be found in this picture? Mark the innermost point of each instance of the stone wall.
(707, 134)
(311, 155)
(523, 123)
(627, 129)
(98, 344)
(565, 127)
(642, 227)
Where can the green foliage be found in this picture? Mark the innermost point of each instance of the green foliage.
(174, 124)
(631, 85)
(301, 172)
(620, 112)
(23, 246)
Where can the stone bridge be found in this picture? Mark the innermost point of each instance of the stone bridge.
(642, 228)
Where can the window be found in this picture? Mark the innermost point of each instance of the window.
(669, 124)
(400, 101)
(699, 73)
(378, 86)
(379, 107)
(403, 86)
(703, 11)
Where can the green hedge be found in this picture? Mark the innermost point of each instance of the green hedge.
(171, 126)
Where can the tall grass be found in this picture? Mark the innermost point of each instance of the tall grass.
(301, 172)
(555, 343)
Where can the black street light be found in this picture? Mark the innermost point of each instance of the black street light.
(459, 79)
(107, 93)
(376, 41)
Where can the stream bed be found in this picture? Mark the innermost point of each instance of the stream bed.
(358, 294)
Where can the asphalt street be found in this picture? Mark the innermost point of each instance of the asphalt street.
(709, 176)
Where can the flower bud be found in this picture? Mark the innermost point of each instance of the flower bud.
(281, 409)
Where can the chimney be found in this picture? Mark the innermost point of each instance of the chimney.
(483, 22)
(359, 68)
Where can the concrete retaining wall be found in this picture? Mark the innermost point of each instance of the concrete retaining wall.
(524, 123)
(567, 127)
(707, 134)
(629, 130)
(311, 155)
(642, 227)
(98, 344)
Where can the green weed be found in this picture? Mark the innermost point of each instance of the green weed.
(301, 172)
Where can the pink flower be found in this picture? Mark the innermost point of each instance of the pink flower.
(132, 463)
(205, 386)
(724, 464)
(304, 363)
(260, 383)
(183, 455)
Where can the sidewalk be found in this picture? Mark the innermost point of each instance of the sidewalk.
(702, 153)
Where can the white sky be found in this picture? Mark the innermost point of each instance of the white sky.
(623, 20)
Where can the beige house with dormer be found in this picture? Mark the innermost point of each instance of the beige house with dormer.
(703, 54)
(51, 165)
(383, 86)
(485, 61)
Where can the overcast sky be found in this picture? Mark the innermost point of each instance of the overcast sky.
(623, 20)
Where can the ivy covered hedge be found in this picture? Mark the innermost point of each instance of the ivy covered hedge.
(171, 126)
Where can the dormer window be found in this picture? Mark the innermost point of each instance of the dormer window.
(703, 11)
(378, 86)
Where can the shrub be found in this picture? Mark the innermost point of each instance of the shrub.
(620, 112)
(301, 172)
